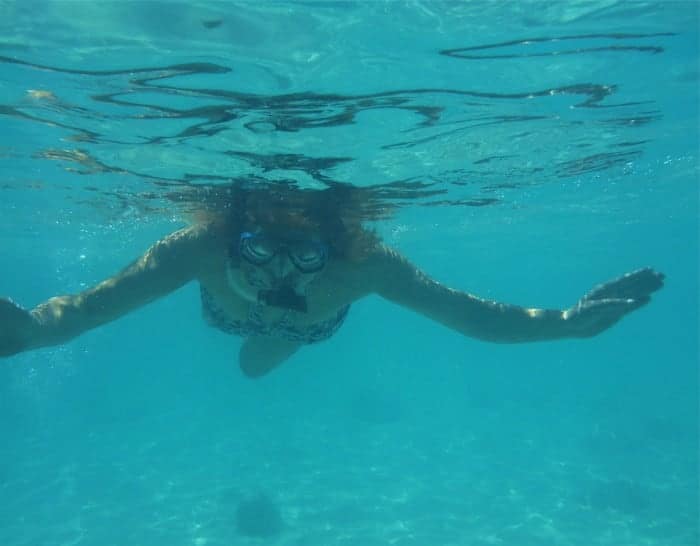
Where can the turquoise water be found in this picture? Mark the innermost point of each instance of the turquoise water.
(562, 139)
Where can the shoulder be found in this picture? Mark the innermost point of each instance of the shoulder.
(380, 269)
(385, 260)
(195, 246)
(198, 238)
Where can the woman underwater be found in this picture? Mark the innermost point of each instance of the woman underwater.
(281, 267)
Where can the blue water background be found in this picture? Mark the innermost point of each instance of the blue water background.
(397, 430)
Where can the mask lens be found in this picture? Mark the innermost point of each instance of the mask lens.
(256, 249)
(308, 257)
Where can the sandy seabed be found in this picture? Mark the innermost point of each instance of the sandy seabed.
(400, 481)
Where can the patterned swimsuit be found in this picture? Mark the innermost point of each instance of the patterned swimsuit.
(216, 317)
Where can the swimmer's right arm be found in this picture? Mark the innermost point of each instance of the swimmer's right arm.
(166, 266)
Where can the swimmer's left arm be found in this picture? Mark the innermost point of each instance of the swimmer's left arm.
(397, 280)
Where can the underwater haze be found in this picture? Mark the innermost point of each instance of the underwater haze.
(532, 149)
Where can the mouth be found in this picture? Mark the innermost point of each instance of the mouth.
(277, 292)
(284, 297)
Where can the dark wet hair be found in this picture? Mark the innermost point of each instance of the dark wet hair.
(336, 214)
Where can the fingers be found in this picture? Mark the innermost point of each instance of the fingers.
(635, 285)
(620, 305)
(642, 281)
(596, 316)
(634, 304)
(609, 311)
(613, 306)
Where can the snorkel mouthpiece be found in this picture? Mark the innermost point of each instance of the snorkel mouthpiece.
(284, 297)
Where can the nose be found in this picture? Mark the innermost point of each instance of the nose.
(282, 266)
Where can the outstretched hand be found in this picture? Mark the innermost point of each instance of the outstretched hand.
(16, 326)
(607, 303)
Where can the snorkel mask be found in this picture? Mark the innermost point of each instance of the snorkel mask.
(306, 255)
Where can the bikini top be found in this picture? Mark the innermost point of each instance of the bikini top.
(254, 325)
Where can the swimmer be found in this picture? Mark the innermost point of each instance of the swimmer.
(282, 268)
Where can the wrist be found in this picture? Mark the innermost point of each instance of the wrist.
(572, 324)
